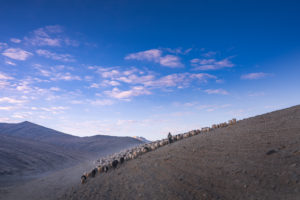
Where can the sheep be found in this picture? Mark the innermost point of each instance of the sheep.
(105, 169)
(174, 138)
(185, 135)
(234, 120)
(145, 149)
(94, 172)
(122, 160)
(205, 129)
(194, 132)
(100, 170)
(83, 179)
(112, 161)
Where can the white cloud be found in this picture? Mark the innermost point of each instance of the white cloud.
(17, 54)
(55, 56)
(179, 80)
(15, 40)
(170, 61)
(252, 76)
(209, 54)
(4, 84)
(55, 73)
(256, 94)
(127, 94)
(211, 108)
(216, 91)
(5, 77)
(148, 79)
(50, 36)
(55, 89)
(8, 62)
(54, 109)
(65, 77)
(179, 50)
(155, 55)
(149, 55)
(10, 100)
(7, 108)
(42, 36)
(110, 74)
(210, 64)
(102, 102)
(3, 45)
(109, 83)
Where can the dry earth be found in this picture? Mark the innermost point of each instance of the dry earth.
(257, 158)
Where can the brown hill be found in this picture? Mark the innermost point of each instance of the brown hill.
(257, 158)
(28, 150)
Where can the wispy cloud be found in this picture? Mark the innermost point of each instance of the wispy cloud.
(101, 102)
(179, 80)
(3, 45)
(256, 94)
(116, 76)
(211, 108)
(8, 62)
(7, 108)
(156, 56)
(10, 100)
(216, 91)
(43, 36)
(209, 54)
(210, 64)
(55, 56)
(253, 76)
(127, 94)
(50, 36)
(178, 50)
(17, 54)
(3, 76)
(15, 40)
(55, 73)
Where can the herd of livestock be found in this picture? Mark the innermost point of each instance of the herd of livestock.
(112, 161)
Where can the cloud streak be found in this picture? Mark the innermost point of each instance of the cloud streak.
(17, 54)
(253, 76)
(216, 91)
(156, 56)
(55, 56)
(127, 94)
(211, 64)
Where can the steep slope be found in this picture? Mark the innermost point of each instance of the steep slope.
(257, 158)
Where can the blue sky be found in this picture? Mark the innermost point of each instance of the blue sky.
(146, 68)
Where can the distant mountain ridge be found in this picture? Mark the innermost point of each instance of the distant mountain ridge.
(141, 139)
(28, 148)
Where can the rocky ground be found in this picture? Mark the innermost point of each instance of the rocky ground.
(257, 158)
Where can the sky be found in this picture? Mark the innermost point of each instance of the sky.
(146, 68)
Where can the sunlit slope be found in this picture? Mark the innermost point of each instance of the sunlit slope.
(257, 158)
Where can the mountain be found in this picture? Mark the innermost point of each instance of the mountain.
(144, 140)
(256, 158)
(29, 149)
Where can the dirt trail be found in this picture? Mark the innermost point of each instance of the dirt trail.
(257, 158)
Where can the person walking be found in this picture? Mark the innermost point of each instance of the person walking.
(170, 138)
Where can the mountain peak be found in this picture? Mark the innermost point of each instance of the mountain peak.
(141, 139)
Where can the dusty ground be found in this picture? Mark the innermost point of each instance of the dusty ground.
(258, 158)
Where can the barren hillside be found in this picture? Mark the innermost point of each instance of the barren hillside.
(28, 149)
(257, 158)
